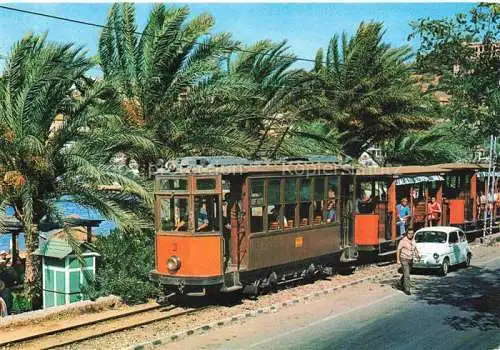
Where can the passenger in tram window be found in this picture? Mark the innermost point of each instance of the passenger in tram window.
(181, 225)
(317, 212)
(273, 212)
(403, 215)
(382, 195)
(203, 217)
(434, 212)
(226, 215)
(331, 194)
(331, 214)
(364, 204)
(289, 217)
(359, 200)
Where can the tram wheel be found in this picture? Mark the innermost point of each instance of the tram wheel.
(272, 282)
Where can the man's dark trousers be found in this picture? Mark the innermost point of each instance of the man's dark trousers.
(405, 279)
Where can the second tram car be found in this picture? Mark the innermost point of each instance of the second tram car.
(378, 225)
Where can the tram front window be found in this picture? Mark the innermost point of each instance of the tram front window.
(174, 214)
(207, 213)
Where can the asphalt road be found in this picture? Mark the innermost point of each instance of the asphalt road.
(460, 311)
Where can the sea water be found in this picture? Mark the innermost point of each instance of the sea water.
(68, 208)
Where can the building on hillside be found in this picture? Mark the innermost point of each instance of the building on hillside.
(479, 50)
(371, 158)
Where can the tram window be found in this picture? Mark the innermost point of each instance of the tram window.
(290, 202)
(305, 201)
(290, 190)
(205, 184)
(433, 188)
(381, 191)
(206, 213)
(273, 217)
(289, 215)
(273, 195)
(174, 214)
(419, 192)
(455, 187)
(318, 201)
(273, 205)
(257, 206)
(319, 188)
(172, 184)
(331, 207)
(257, 193)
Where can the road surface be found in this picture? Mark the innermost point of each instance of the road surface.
(459, 311)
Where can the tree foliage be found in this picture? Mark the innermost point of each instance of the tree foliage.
(444, 143)
(464, 52)
(282, 94)
(367, 89)
(41, 162)
(171, 82)
(126, 260)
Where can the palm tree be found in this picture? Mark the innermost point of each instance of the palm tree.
(170, 80)
(316, 137)
(367, 90)
(282, 101)
(444, 143)
(40, 163)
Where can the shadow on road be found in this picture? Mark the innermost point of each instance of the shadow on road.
(474, 290)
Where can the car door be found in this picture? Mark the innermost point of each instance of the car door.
(453, 243)
(463, 245)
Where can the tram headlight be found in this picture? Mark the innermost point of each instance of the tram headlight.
(436, 256)
(173, 263)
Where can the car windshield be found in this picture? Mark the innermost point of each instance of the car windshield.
(430, 237)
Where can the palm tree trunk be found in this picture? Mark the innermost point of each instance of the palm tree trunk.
(32, 278)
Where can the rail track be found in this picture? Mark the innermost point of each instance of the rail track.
(80, 332)
(75, 333)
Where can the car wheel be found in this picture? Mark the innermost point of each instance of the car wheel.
(445, 267)
(467, 260)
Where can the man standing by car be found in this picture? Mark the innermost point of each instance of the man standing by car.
(406, 250)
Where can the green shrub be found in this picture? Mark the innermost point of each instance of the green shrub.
(20, 303)
(124, 266)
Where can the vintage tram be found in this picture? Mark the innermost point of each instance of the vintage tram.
(227, 223)
(457, 188)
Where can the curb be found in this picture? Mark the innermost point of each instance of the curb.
(264, 310)
(487, 241)
(81, 307)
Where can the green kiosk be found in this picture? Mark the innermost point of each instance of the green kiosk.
(63, 274)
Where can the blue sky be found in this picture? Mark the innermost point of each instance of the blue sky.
(306, 26)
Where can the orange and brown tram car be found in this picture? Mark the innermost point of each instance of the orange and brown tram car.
(466, 202)
(380, 190)
(228, 223)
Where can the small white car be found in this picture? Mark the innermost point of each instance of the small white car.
(441, 247)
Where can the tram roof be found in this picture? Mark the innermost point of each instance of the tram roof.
(463, 166)
(237, 165)
(402, 170)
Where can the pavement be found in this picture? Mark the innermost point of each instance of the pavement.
(459, 311)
